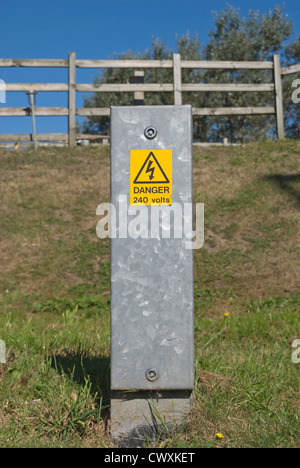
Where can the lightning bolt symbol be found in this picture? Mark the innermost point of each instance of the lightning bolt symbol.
(150, 169)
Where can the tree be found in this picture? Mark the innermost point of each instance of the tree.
(255, 38)
(159, 51)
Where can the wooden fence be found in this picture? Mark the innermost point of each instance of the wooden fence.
(177, 88)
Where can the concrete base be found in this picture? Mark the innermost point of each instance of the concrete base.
(139, 419)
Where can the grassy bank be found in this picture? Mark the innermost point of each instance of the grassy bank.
(55, 298)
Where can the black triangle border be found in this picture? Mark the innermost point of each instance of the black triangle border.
(141, 170)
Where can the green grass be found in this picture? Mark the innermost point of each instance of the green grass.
(55, 299)
(257, 404)
(57, 383)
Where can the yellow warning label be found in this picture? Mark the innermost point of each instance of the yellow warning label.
(151, 177)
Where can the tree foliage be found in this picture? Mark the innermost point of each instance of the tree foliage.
(233, 37)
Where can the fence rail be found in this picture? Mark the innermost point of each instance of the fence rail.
(105, 111)
(177, 87)
(136, 64)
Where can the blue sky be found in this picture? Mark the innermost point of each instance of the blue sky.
(96, 29)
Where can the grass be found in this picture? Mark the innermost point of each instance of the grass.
(55, 299)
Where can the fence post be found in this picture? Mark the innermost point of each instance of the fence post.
(278, 97)
(72, 99)
(138, 96)
(177, 80)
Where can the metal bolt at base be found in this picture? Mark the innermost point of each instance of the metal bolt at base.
(152, 375)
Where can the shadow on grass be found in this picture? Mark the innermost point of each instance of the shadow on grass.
(80, 368)
(287, 183)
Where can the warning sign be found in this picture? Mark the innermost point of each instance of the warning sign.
(151, 177)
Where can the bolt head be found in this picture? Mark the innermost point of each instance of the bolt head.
(152, 375)
(150, 132)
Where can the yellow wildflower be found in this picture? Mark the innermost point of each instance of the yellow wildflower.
(219, 436)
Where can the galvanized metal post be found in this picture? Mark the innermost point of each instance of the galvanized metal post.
(32, 102)
(152, 349)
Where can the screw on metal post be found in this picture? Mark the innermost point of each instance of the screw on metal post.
(152, 375)
(150, 133)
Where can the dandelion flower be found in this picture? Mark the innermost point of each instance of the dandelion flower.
(226, 314)
(219, 436)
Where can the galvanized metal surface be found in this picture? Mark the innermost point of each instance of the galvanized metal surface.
(151, 279)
